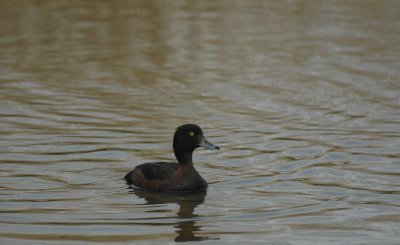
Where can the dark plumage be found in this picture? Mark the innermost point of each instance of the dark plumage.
(174, 177)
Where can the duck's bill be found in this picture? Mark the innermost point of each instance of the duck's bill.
(208, 145)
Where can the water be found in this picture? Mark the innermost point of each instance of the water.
(302, 96)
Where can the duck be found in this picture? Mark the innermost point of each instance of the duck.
(180, 176)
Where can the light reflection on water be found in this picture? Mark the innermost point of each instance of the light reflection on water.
(302, 97)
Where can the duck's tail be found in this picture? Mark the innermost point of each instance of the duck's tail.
(128, 178)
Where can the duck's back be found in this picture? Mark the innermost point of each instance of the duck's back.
(151, 171)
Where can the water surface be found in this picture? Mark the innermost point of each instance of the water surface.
(302, 96)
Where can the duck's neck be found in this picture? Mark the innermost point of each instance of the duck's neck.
(184, 157)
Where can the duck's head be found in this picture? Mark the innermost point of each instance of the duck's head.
(188, 137)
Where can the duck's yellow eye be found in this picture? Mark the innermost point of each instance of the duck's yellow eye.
(191, 133)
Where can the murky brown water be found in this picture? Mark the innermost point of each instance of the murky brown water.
(302, 96)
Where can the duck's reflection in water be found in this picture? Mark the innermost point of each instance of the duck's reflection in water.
(187, 228)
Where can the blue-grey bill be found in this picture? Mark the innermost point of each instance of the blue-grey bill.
(208, 145)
